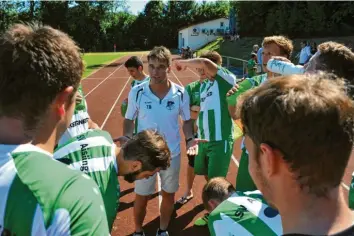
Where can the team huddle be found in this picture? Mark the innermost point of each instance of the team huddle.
(58, 169)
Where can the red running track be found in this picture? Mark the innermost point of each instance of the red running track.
(105, 90)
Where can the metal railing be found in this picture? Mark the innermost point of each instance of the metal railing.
(236, 65)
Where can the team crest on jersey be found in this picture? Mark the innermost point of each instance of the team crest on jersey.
(170, 105)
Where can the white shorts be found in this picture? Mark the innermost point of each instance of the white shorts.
(169, 179)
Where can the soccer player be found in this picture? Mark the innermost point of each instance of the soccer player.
(272, 46)
(193, 90)
(95, 153)
(237, 213)
(158, 104)
(81, 121)
(40, 71)
(214, 121)
(299, 133)
(135, 68)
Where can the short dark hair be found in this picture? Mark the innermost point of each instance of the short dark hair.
(253, 55)
(338, 59)
(134, 62)
(310, 120)
(217, 188)
(36, 64)
(150, 148)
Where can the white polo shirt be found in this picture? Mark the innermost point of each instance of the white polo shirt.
(161, 115)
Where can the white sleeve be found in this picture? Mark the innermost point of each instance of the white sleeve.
(184, 109)
(226, 75)
(132, 110)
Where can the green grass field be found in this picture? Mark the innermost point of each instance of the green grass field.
(95, 61)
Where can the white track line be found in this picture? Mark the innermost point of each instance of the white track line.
(103, 79)
(193, 72)
(115, 102)
(100, 78)
(177, 78)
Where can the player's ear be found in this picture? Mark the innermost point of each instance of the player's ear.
(135, 166)
(212, 203)
(169, 69)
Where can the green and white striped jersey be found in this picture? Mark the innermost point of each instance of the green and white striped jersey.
(137, 82)
(214, 121)
(244, 214)
(193, 90)
(41, 196)
(93, 153)
(79, 121)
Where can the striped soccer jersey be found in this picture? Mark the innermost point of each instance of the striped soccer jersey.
(79, 120)
(245, 214)
(93, 153)
(40, 196)
(214, 121)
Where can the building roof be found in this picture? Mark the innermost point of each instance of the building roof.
(185, 27)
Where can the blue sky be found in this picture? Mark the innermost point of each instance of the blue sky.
(137, 6)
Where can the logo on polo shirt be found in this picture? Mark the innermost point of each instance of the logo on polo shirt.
(170, 105)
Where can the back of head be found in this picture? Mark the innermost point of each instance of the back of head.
(212, 56)
(285, 44)
(134, 62)
(309, 119)
(338, 59)
(217, 189)
(150, 148)
(36, 64)
(161, 54)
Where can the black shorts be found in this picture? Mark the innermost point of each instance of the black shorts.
(191, 160)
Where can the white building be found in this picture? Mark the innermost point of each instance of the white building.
(197, 35)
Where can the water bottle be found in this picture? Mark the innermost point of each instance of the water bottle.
(284, 68)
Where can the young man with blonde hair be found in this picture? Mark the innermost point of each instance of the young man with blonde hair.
(158, 105)
(272, 46)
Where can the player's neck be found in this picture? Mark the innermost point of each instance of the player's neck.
(311, 215)
(160, 89)
(12, 132)
(141, 77)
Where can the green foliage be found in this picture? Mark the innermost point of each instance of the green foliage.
(294, 18)
(98, 25)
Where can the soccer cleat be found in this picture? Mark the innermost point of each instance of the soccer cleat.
(162, 233)
(139, 233)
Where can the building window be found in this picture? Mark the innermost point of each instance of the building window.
(221, 24)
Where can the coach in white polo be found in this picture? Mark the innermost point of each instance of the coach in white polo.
(158, 104)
